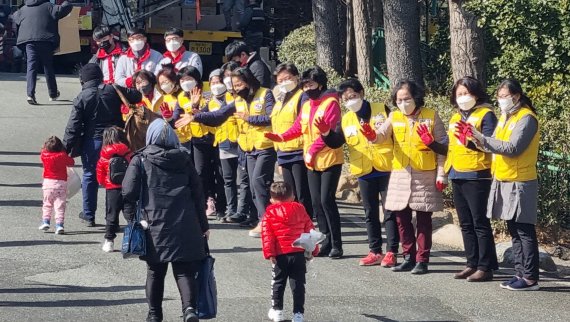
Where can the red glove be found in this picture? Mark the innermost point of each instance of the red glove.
(166, 112)
(441, 183)
(425, 134)
(322, 125)
(368, 132)
(125, 109)
(273, 137)
(463, 131)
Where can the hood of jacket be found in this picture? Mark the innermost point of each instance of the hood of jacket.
(33, 3)
(119, 149)
(167, 158)
(285, 212)
(46, 155)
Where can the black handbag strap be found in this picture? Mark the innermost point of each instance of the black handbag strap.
(138, 213)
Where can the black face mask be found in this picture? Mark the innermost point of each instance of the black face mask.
(105, 45)
(145, 89)
(313, 93)
(244, 93)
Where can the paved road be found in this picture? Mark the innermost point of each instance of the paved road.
(68, 278)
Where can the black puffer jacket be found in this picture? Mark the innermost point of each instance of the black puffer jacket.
(260, 70)
(173, 203)
(37, 21)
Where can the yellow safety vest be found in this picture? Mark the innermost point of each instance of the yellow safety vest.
(362, 154)
(251, 136)
(522, 167)
(155, 107)
(461, 158)
(228, 130)
(409, 149)
(327, 157)
(194, 129)
(282, 119)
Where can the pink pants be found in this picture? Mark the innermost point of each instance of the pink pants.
(55, 195)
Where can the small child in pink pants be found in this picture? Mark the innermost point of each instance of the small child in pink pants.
(55, 161)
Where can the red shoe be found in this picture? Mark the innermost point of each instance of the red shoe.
(389, 260)
(371, 260)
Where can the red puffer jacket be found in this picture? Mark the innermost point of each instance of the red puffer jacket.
(107, 152)
(55, 164)
(282, 224)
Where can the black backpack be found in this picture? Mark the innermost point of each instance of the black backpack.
(118, 165)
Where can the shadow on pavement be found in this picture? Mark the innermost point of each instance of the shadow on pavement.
(378, 318)
(52, 288)
(235, 250)
(20, 243)
(21, 203)
(73, 303)
(21, 164)
(18, 153)
(21, 185)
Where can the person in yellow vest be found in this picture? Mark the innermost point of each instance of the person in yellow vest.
(470, 172)
(201, 138)
(324, 163)
(252, 108)
(371, 164)
(418, 175)
(168, 89)
(514, 191)
(145, 82)
(289, 101)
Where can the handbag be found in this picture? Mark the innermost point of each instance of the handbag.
(208, 291)
(134, 237)
(73, 182)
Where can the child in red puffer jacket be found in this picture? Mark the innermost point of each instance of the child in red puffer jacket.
(114, 145)
(284, 221)
(55, 161)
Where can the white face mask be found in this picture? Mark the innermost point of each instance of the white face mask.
(407, 107)
(137, 45)
(465, 102)
(218, 89)
(287, 86)
(187, 86)
(354, 104)
(167, 88)
(228, 82)
(506, 104)
(173, 46)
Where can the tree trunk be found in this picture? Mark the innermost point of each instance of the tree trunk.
(350, 68)
(329, 51)
(402, 30)
(363, 37)
(467, 44)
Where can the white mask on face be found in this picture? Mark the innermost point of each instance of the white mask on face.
(167, 88)
(407, 107)
(137, 45)
(287, 86)
(354, 104)
(228, 82)
(506, 104)
(187, 86)
(465, 102)
(173, 46)
(218, 89)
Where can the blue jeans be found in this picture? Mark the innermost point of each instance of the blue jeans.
(39, 56)
(89, 158)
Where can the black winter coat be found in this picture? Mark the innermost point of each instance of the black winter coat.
(260, 70)
(173, 202)
(97, 107)
(37, 21)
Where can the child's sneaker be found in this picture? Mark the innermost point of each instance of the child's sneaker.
(255, 232)
(59, 229)
(298, 317)
(371, 260)
(275, 315)
(44, 226)
(108, 246)
(389, 260)
(211, 207)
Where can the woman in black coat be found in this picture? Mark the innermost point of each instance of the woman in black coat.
(173, 206)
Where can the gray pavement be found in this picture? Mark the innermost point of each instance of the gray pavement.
(44, 277)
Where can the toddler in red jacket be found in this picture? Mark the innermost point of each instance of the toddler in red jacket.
(55, 161)
(284, 221)
(115, 156)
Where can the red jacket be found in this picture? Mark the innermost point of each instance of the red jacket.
(282, 224)
(107, 152)
(55, 164)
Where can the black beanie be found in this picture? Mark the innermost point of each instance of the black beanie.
(90, 72)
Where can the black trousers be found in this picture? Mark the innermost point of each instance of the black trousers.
(39, 55)
(295, 175)
(293, 267)
(219, 188)
(185, 274)
(261, 167)
(204, 156)
(370, 190)
(245, 199)
(229, 174)
(470, 198)
(525, 249)
(114, 204)
(323, 186)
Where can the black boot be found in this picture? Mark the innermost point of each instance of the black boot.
(406, 266)
(190, 315)
(420, 269)
(154, 316)
(336, 253)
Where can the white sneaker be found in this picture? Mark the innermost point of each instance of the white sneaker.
(298, 317)
(108, 246)
(275, 315)
(59, 230)
(211, 207)
(44, 226)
